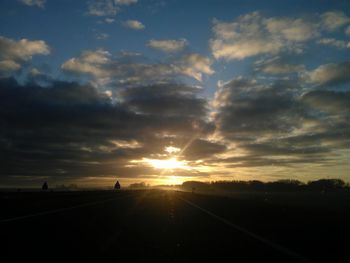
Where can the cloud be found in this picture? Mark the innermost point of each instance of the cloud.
(67, 131)
(247, 110)
(334, 20)
(279, 124)
(134, 24)
(329, 101)
(38, 3)
(347, 31)
(102, 36)
(23, 49)
(269, 149)
(172, 99)
(203, 149)
(242, 38)
(107, 7)
(9, 66)
(278, 65)
(102, 8)
(296, 30)
(109, 20)
(14, 53)
(253, 34)
(125, 2)
(105, 69)
(329, 112)
(248, 161)
(341, 44)
(99, 56)
(90, 63)
(194, 65)
(329, 74)
(168, 46)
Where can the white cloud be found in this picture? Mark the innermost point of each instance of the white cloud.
(100, 56)
(253, 34)
(90, 63)
(35, 72)
(38, 3)
(14, 53)
(134, 24)
(9, 66)
(245, 37)
(278, 66)
(333, 20)
(102, 8)
(104, 69)
(102, 36)
(76, 65)
(168, 45)
(109, 20)
(329, 74)
(125, 2)
(23, 49)
(296, 30)
(341, 44)
(195, 65)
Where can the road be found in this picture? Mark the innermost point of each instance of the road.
(140, 225)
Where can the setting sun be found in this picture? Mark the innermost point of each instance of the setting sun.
(168, 164)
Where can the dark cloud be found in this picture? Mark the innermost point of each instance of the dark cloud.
(278, 125)
(69, 130)
(329, 111)
(246, 109)
(201, 149)
(261, 161)
(337, 102)
(269, 149)
(171, 99)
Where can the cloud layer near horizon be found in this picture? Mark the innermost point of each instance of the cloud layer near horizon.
(70, 130)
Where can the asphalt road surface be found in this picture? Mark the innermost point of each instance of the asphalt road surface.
(167, 226)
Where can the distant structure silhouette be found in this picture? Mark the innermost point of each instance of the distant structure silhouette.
(117, 185)
(45, 186)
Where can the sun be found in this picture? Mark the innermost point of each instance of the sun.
(174, 180)
(168, 164)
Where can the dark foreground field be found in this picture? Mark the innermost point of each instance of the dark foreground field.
(174, 226)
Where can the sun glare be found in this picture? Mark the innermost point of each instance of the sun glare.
(169, 164)
(174, 180)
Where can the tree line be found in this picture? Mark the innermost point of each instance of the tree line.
(323, 185)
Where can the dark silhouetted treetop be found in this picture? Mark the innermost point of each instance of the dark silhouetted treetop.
(117, 185)
(45, 186)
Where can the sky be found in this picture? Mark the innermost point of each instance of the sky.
(162, 92)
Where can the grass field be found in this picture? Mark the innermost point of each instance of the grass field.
(174, 226)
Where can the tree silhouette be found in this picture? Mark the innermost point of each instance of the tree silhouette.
(117, 185)
(45, 186)
(286, 185)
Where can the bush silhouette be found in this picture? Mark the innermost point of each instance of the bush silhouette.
(117, 185)
(45, 186)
